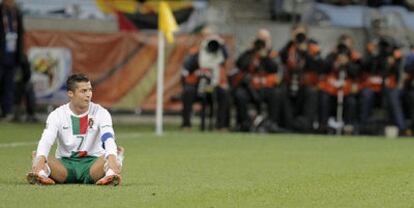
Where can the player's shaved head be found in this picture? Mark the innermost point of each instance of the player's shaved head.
(207, 31)
(264, 34)
(74, 79)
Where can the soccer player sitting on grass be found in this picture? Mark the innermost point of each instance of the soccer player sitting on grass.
(86, 149)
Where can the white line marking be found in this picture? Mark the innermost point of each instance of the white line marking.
(20, 144)
(17, 144)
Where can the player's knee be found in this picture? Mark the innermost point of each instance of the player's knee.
(97, 169)
(59, 178)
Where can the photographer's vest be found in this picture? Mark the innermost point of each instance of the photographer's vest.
(260, 78)
(330, 83)
(298, 75)
(377, 79)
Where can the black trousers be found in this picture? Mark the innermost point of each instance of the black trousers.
(244, 97)
(25, 92)
(219, 98)
(301, 108)
(328, 107)
(7, 86)
(408, 101)
(389, 98)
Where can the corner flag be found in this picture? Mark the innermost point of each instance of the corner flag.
(166, 27)
(166, 21)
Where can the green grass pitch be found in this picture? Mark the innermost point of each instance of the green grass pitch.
(217, 170)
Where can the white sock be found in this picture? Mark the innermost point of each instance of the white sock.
(119, 160)
(45, 173)
(109, 172)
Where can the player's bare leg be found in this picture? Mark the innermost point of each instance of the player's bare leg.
(111, 168)
(59, 173)
(97, 169)
(46, 173)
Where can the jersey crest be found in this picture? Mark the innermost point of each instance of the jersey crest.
(90, 122)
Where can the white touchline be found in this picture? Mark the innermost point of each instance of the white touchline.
(20, 144)
(17, 144)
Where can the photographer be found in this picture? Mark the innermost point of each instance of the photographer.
(380, 77)
(408, 90)
(339, 86)
(302, 64)
(204, 78)
(256, 81)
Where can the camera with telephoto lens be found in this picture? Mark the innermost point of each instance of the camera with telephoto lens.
(385, 47)
(343, 49)
(212, 46)
(259, 45)
(300, 37)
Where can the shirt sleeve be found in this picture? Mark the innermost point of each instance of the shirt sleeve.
(48, 136)
(106, 133)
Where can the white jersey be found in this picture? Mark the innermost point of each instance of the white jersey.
(77, 135)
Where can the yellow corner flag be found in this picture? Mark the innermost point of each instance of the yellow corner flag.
(166, 21)
(109, 6)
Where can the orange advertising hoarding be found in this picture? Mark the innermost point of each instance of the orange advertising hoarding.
(122, 66)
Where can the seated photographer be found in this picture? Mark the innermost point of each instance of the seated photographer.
(255, 81)
(339, 85)
(204, 79)
(408, 88)
(380, 82)
(302, 64)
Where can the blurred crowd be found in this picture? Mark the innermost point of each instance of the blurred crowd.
(295, 89)
(371, 3)
(286, 11)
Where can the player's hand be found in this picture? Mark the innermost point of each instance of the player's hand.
(343, 59)
(112, 164)
(354, 88)
(263, 53)
(39, 163)
(303, 47)
(391, 60)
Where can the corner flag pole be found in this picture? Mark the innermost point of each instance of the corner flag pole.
(166, 26)
(160, 84)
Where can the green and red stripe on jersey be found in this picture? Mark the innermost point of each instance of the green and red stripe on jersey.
(79, 124)
(79, 154)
